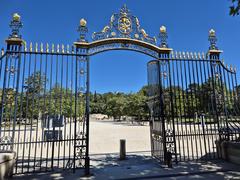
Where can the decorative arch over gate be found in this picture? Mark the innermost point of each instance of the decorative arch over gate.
(123, 33)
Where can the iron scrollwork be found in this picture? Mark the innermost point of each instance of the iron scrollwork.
(115, 46)
(212, 39)
(6, 143)
(170, 141)
(124, 25)
(15, 25)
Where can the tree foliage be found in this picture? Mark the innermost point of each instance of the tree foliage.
(235, 7)
(120, 104)
(37, 97)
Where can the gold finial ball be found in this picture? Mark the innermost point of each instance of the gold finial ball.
(83, 22)
(163, 29)
(16, 17)
(212, 32)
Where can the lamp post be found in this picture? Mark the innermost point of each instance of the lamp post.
(15, 25)
(82, 29)
(163, 37)
(212, 39)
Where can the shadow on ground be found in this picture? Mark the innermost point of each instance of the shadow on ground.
(135, 167)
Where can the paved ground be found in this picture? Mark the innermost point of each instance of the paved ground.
(138, 167)
(105, 136)
(104, 148)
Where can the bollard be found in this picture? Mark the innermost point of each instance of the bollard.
(169, 159)
(224, 150)
(122, 149)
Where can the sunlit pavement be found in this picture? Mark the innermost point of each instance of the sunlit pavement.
(105, 163)
(143, 167)
(139, 166)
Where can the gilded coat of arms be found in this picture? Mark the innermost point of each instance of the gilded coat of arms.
(124, 25)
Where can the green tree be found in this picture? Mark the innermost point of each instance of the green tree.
(136, 106)
(115, 106)
(235, 7)
(120, 104)
(8, 104)
(62, 101)
(34, 86)
(192, 103)
(98, 103)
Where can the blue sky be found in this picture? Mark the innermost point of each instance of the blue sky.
(187, 22)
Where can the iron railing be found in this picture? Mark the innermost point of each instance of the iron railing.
(194, 102)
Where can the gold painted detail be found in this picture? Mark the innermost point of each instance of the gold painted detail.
(125, 25)
(41, 47)
(83, 22)
(105, 29)
(16, 17)
(163, 29)
(212, 32)
(136, 36)
(113, 34)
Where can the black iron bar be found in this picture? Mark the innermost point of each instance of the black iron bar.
(27, 105)
(21, 109)
(65, 119)
(71, 105)
(8, 109)
(39, 110)
(61, 92)
(55, 115)
(12, 87)
(175, 110)
(213, 60)
(206, 137)
(200, 75)
(183, 74)
(225, 96)
(162, 107)
(75, 112)
(190, 105)
(16, 101)
(50, 111)
(2, 60)
(195, 94)
(172, 109)
(180, 98)
(43, 119)
(207, 79)
(230, 104)
(87, 162)
(32, 108)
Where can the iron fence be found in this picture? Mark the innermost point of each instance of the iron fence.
(194, 102)
(43, 99)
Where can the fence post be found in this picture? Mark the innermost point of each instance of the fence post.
(82, 50)
(168, 138)
(14, 46)
(214, 55)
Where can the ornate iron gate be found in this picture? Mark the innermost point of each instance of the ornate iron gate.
(44, 96)
(43, 106)
(194, 100)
